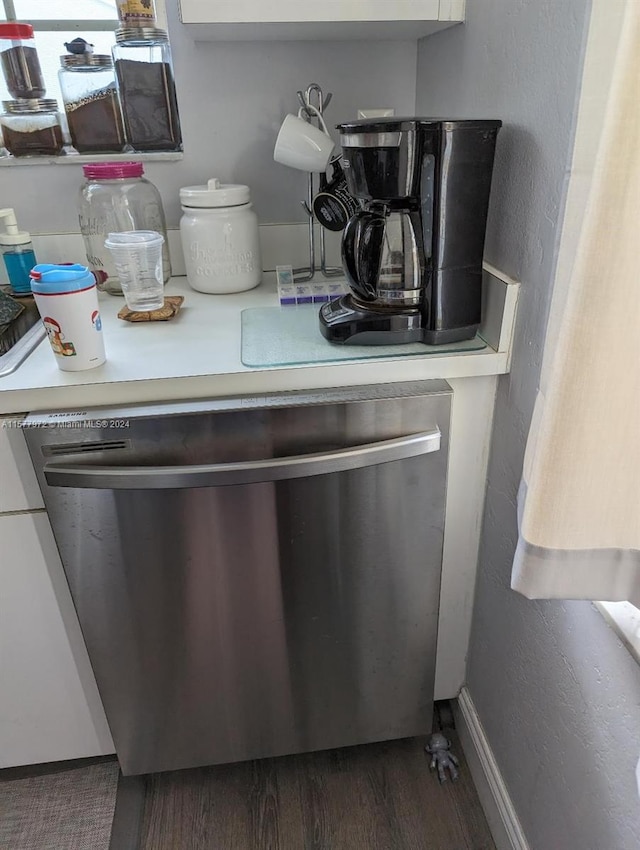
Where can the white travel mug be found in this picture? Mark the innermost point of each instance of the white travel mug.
(67, 300)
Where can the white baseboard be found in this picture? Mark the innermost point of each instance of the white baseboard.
(501, 815)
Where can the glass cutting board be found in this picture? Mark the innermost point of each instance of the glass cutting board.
(289, 336)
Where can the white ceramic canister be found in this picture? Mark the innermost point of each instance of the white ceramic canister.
(220, 240)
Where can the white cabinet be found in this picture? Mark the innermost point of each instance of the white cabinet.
(50, 709)
(19, 489)
(319, 19)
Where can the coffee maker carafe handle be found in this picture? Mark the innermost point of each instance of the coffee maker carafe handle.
(362, 243)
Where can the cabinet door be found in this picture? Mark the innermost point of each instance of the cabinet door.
(50, 709)
(19, 489)
(281, 11)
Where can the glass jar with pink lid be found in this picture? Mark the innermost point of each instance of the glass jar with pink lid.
(115, 198)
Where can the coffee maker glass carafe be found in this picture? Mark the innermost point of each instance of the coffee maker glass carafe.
(383, 256)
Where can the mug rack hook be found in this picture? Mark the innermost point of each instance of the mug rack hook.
(303, 103)
(314, 110)
(322, 100)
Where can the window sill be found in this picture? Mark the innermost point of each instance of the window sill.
(80, 158)
(624, 619)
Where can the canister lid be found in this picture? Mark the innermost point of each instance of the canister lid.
(21, 106)
(16, 31)
(112, 170)
(86, 60)
(215, 194)
(141, 35)
(60, 279)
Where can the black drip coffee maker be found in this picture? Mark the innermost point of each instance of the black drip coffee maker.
(413, 253)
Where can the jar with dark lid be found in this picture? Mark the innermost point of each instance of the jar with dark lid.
(32, 127)
(114, 198)
(91, 102)
(20, 63)
(144, 74)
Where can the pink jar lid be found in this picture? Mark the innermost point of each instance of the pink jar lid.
(112, 170)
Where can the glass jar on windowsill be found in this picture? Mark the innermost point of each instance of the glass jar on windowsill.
(91, 103)
(144, 73)
(32, 127)
(20, 62)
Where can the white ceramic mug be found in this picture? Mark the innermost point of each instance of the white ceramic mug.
(303, 145)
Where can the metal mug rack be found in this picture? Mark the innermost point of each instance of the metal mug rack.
(314, 112)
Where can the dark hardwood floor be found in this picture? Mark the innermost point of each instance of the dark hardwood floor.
(374, 797)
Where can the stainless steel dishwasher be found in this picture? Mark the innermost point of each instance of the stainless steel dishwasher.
(254, 576)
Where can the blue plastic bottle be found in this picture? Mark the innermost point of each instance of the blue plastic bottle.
(17, 252)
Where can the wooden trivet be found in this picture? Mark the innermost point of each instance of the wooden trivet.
(169, 309)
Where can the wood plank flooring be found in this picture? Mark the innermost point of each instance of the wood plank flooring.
(374, 797)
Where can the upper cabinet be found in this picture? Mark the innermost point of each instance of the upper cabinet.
(241, 20)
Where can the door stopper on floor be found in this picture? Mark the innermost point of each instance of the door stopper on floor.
(438, 748)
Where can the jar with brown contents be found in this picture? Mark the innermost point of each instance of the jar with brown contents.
(144, 73)
(91, 103)
(19, 60)
(32, 127)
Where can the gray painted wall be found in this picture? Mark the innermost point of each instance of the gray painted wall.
(557, 693)
(232, 99)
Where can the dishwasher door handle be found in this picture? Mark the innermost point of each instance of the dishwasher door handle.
(242, 472)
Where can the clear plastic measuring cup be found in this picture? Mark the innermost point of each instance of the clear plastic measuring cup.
(137, 256)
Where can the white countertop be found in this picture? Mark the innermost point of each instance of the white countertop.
(197, 355)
